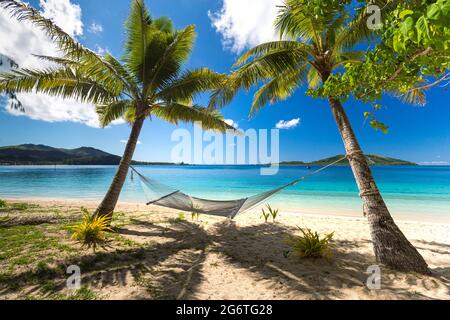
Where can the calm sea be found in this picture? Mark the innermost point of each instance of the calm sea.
(413, 191)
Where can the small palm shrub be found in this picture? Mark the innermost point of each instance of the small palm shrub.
(2, 203)
(269, 213)
(310, 244)
(265, 215)
(195, 215)
(273, 212)
(91, 231)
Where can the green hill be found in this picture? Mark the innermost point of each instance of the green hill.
(372, 158)
(29, 154)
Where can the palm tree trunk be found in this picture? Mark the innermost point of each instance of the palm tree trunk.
(109, 202)
(390, 245)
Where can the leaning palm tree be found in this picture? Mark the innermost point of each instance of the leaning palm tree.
(148, 81)
(312, 46)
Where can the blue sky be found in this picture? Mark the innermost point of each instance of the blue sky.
(420, 134)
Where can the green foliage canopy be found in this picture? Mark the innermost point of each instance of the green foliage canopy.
(411, 56)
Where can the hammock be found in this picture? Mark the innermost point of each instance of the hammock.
(162, 195)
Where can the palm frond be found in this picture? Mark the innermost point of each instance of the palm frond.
(113, 111)
(163, 24)
(176, 112)
(357, 30)
(292, 22)
(263, 68)
(190, 84)
(124, 75)
(107, 71)
(62, 82)
(314, 79)
(279, 88)
(136, 43)
(350, 57)
(268, 47)
(173, 54)
(415, 96)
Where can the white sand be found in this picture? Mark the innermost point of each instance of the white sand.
(243, 259)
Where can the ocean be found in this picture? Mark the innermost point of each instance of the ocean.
(410, 191)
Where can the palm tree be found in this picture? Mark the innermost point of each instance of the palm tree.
(149, 81)
(312, 46)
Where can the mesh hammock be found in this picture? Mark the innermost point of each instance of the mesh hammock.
(162, 195)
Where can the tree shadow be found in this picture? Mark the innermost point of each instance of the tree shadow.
(163, 271)
(168, 264)
(261, 249)
(433, 246)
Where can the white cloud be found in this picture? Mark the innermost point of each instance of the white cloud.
(65, 14)
(43, 107)
(95, 28)
(126, 141)
(20, 40)
(244, 24)
(288, 124)
(232, 123)
(100, 50)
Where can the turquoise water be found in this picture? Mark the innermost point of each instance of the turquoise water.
(410, 191)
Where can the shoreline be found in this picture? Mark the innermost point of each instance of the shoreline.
(294, 212)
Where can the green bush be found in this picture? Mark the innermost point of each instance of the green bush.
(2, 203)
(310, 244)
(91, 232)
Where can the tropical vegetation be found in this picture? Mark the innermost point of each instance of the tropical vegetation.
(91, 232)
(310, 244)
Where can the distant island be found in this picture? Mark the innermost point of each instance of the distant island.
(372, 159)
(38, 154)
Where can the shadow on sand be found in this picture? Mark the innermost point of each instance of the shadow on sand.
(173, 267)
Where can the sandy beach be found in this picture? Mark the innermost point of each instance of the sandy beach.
(160, 254)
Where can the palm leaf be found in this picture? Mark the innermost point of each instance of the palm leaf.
(176, 112)
(314, 78)
(113, 111)
(63, 83)
(279, 88)
(270, 65)
(190, 84)
(136, 43)
(173, 54)
(268, 47)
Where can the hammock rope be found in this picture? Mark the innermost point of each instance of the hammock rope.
(163, 195)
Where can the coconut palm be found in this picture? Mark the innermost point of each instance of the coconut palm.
(148, 81)
(315, 41)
